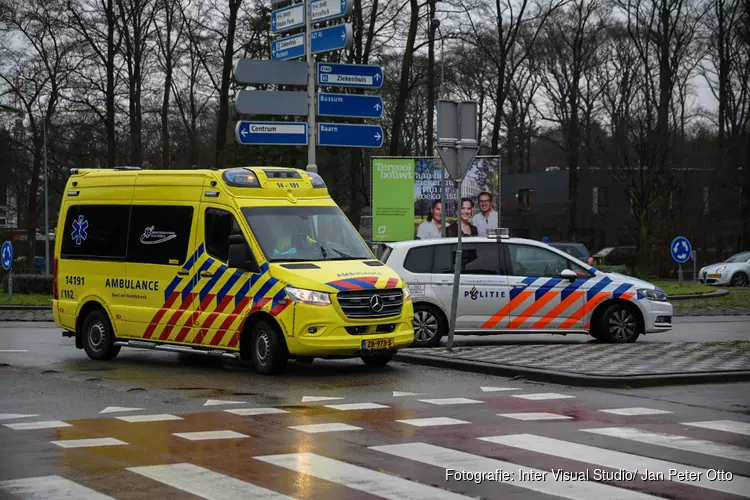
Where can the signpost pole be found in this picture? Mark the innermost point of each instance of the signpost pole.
(311, 127)
(10, 285)
(442, 198)
(456, 277)
(680, 275)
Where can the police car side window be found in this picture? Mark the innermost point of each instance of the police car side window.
(218, 227)
(527, 260)
(476, 258)
(159, 234)
(419, 260)
(96, 232)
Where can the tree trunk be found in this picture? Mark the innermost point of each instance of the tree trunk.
(32, 206)
(166, 161)
(226, 75)
(110, 120)
(403, 91)
(431, 81)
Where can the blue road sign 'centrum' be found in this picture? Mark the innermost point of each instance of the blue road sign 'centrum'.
(350, 105)
(350, 75)
(290, 47)
(680, 249)
(350, 135)
(271, 133)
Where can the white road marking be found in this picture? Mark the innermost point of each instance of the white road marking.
(245, 412)
(499, 389)
(729, 451)
(117, 409)
(14, 350)
(207, 435)
(50, 424)
(617, 460)
(312, 399)
(206, 483)
(219, 402)
(14, 416)
(535, 416)
(356, 406)
(88, 443)
(542, 481)
(450, 401)
(543, 396)
(635, 411)
(723, 425)
(358, 478)
(50, 488)
(332, 427)
(431, 422)
(149, 418)
(397, 394)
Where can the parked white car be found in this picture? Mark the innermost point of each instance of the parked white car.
(735, 271)
(513, 285)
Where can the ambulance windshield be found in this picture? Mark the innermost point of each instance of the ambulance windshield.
(305, 234)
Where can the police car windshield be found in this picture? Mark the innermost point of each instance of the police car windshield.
(305, 234)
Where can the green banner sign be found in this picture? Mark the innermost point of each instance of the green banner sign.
(392, 199)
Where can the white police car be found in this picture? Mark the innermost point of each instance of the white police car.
(514, 285)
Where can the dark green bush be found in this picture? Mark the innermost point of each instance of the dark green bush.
(29, 283)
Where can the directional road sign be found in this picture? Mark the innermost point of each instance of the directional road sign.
(350, 105)
(680, 249)
(350, 75)
(275, 72)
(288, 18)
(323, 10)
(276, 133)
(328, 39)
(290, 47)
(350, 135)
(259, 102)
(449, 115)
(7, 255)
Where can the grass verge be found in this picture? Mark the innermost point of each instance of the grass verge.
(686, 289)
(26, 299)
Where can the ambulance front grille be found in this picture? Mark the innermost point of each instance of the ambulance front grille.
(359, 303)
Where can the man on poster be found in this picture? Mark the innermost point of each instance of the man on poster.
(486, 219)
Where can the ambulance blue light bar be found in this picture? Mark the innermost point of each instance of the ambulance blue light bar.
(317, 181)
(241, 177)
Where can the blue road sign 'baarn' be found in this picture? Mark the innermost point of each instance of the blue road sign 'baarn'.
(328, 39)
(680, 249)
(350, 75)
(7, 255)
(290, 47)
(350, 105)
(271, 133)
(350, 135)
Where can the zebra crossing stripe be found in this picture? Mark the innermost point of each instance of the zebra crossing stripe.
(49, 488)
(206, 483)
(620, 461)
(723, 425)
(683, 443)
(519, 476)
(359, 478)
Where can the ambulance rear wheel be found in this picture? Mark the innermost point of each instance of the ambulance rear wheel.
(269, 349)
(98, 337)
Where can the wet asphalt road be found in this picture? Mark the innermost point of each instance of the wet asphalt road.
(409, 424)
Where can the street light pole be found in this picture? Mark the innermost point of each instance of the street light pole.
(46, 202)
(441, 95)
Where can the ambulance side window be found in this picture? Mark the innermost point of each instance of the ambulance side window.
(96, 232)
(218, 227)
(159, 234)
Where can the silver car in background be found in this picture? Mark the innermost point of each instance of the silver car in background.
(735, 271)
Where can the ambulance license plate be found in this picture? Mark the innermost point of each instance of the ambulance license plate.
(714, 276)
(377, 344)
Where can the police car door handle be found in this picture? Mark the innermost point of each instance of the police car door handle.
(183, 272)
(520, 286)
(206, 274)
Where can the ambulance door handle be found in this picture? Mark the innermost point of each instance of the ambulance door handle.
(206, 274)
(183, 272)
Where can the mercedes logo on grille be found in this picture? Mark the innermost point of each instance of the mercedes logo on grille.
(376, 303)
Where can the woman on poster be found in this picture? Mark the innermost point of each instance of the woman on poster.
(430, 228)
(467, 228)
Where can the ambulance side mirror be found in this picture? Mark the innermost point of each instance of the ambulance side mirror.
(240, 256)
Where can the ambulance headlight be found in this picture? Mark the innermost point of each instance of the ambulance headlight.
(308, 296)
(406, 293)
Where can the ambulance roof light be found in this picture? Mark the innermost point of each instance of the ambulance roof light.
(498, 232)
(317, 181)
(241, 177)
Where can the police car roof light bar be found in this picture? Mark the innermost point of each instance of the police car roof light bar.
(498, 232)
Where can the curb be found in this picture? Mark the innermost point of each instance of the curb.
(575, 379)
(26, 308)
(710, 295)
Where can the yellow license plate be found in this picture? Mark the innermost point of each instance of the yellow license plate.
(715, 276)
(377, 344)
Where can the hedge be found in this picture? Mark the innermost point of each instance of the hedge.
(29, 283)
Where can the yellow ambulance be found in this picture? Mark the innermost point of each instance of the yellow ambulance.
(255, 263)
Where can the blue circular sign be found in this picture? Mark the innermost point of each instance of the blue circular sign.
(680, 249)
(6, 255)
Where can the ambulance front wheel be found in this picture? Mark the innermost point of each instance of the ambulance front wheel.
(98, 337)
(269, 349)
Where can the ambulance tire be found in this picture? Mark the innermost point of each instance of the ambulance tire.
(618, 324)
(269, 353)
(98, 337)
(429, 325)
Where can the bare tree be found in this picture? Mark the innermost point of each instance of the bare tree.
(403, 90)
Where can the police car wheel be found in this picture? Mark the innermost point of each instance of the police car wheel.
(619, 325)
(269, 349)
(377, 359)
(98, 337)
(429, 326)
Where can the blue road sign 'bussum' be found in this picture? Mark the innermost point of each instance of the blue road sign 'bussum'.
(350, 75)
(7, 255)
(271, 133)
(290, 47)
(350, 135)
(328, 39)
(680, 249)
(350, 105)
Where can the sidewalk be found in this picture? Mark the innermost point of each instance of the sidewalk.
(598, 365)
